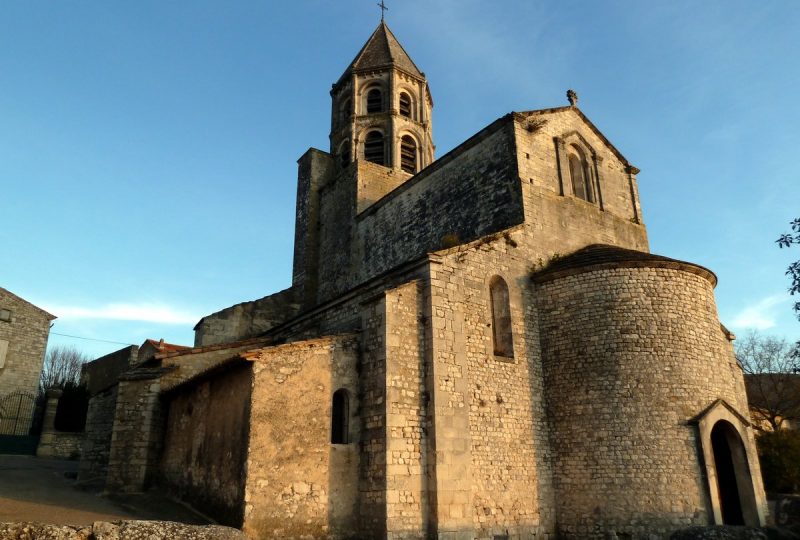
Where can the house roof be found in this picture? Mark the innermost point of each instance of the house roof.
(50, 316)
(382, 50)
(597, 256)
(164, 347)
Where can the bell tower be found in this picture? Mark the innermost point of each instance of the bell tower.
(381, 109)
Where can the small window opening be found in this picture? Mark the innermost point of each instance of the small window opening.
(405, 105)
(374, 101)
(501, 318)
(5, 315)
(579, 173)
(408, 154)
(373, 148)
(340, 411)
(344, 154)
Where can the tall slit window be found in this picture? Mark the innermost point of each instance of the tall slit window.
(501, 318)
(340, 417)
(374, 101)
(408, 154)
(581, 180)
(373, 148)
(405, 105)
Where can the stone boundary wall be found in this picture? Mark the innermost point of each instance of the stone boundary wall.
(97, 441)
(205, 444)
(102, 373)
(60, 445)
(118, 530)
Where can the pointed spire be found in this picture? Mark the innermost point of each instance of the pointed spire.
(382, 50)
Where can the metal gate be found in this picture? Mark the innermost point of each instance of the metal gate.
(17, 412)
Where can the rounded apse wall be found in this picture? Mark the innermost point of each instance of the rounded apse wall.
(630, 356)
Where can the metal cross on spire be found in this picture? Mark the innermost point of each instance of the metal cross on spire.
(384, 9)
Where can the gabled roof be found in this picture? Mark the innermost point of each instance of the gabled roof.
(49, 316)
(382, 50)
(576, 110)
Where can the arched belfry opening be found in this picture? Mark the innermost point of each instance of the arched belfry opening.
(734, 485)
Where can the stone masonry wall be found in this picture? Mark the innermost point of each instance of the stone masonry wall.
(542, 166)
(246, 320)
(457, 200)
(23, 339)
(299, 485)
(314, 169)
(631, 355)
(372, 391)
(96, 447)
(337, 200)
(493, 475)
(102, 373)
(136, 437)
(205, 446)
(374, 182)
(407, 453)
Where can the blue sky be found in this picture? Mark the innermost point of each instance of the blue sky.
(148, 149)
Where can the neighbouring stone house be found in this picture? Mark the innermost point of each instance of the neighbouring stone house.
(474, 346)
(24, 330)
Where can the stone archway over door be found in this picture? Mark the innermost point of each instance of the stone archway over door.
(728, 454)
(736, 496)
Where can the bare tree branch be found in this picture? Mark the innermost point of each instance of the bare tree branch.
(771, 377)
(62, 365)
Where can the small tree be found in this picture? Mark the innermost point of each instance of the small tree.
(62, 365)
(787, 240)
(773, 385)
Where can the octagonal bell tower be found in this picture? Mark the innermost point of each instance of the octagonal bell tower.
(381, 110)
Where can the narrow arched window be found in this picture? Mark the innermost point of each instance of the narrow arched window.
(340, 417)
(501, 318)
(405, 105)
(373, 148)
(581, 180)
(374, 101)
(408, 154)
(344, 154)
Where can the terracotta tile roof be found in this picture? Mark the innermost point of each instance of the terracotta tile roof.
(257, 341)
(164, 347)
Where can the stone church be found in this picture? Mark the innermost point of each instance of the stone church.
(474, 346)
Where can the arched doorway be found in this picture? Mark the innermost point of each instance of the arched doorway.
(735, 487)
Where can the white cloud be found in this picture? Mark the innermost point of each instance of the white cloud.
(153, 313)
(760, 315)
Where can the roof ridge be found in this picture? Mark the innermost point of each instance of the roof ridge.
(382, 49)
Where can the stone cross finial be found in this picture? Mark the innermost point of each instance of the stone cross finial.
(383, 9)
(572, 97)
